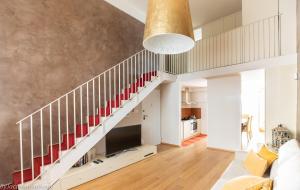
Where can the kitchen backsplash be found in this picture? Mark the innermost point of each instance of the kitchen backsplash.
(187, 112)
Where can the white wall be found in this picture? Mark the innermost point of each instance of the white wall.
(255, 10)
(281, 98)
(298, 42)
(151, 118)
(223, 24)
(224, 112)
(170, 99)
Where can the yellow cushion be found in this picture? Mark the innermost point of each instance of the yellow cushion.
(255, 164)
(245, 183)
(267, 154)
(265, 184)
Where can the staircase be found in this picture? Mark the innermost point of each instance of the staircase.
(60, 133)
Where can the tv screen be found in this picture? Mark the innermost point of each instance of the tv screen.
(119, 139)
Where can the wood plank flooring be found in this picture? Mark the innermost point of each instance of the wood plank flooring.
(194, 167)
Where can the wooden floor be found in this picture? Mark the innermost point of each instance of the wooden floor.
(173, 168)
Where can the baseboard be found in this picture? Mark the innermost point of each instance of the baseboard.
(221, 149)
(174, 145)
(194, 135)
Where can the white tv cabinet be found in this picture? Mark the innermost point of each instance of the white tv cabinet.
(90, 171)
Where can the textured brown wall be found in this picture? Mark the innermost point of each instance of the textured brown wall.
(48, 47)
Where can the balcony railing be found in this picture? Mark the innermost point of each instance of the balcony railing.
(252, 42)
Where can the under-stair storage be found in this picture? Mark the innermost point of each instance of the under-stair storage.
(90, 171)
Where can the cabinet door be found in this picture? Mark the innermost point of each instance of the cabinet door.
(187, 129)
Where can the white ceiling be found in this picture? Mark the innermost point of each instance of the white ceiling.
(203, 11)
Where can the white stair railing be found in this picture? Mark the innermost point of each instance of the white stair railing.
(252, 42)
(52, 131)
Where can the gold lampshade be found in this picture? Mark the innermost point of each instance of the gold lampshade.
(168, 27)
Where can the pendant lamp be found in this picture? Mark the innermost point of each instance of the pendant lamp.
(168, 27)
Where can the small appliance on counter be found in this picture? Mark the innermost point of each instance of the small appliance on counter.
(189, 118)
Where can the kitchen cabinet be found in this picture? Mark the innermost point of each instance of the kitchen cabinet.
(188, 128)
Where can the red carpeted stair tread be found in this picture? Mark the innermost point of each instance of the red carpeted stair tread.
(93, 119)
(27, 176)
(105, 111)
(81, 130)
(71, 140)
(122, 97)
(114, 103)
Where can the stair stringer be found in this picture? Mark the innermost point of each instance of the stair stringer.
(57, 170)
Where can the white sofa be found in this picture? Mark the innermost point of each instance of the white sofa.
(285, 171)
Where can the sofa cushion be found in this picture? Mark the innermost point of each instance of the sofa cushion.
(288, 174)
(247, 183)
(267, 154)
(287, 150)
(255, 165)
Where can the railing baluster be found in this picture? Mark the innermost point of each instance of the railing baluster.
(142, 74)
(154, 63)
(99, 99)
(258, 39)
(21, 152)
(124, 78)
(74, 116)
(148, 60)
(127, 76)
(51, 148)
(197, 56)
(274, 38)
(135, 80)
(94, 104)
(105, 94)
(42, 138)
(119, 100)
(31, 147)
(151, 62)
(130, 76)
(88, 109)
(109, 83)
(279, 35)
(269, 38)
(59, 129)
(67, 120)
(115, 92)
(176, 64)
(81, 116)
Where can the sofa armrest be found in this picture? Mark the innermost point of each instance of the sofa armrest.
(240, 155)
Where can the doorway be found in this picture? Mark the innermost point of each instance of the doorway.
(193, 125)
(253, 109)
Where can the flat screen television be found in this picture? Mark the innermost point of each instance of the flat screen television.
(122, 138)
